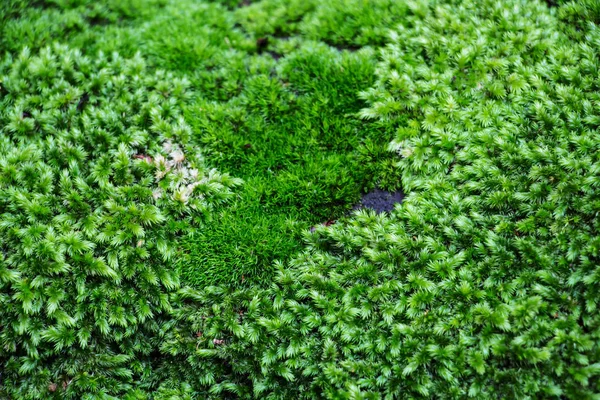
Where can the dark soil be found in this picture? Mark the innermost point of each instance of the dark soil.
(380, 200)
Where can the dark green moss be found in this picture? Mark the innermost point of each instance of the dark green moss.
(292, 134)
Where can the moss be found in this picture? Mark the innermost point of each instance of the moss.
(293, 136)
(285, 124)
(97, 181)
(480, 284)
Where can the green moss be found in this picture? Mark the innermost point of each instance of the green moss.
(281, 115)
(97, 181)
(481, 284)
(293, 135)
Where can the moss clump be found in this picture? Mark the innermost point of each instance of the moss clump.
(480, 284)
(483, 282)
(281, 116)
(97, 180)
(293, 138)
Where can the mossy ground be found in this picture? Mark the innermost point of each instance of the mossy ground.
(275, 85)
(482, 284)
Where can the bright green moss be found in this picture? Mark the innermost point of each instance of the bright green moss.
(481, 284)
(36, 24)
(88, 217)
(283, 120)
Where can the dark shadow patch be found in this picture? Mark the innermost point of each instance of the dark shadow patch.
(43, 5)
(98, 20)
(425, 57)
(551, 3)
(83, 101)
(262, 47)
(380, 200)
(261, 44)
(344, 46)
(280, 34)
(276, 56)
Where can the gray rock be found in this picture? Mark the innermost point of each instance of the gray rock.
(380, 200)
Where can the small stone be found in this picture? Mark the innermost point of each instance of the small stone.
(380, 200)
